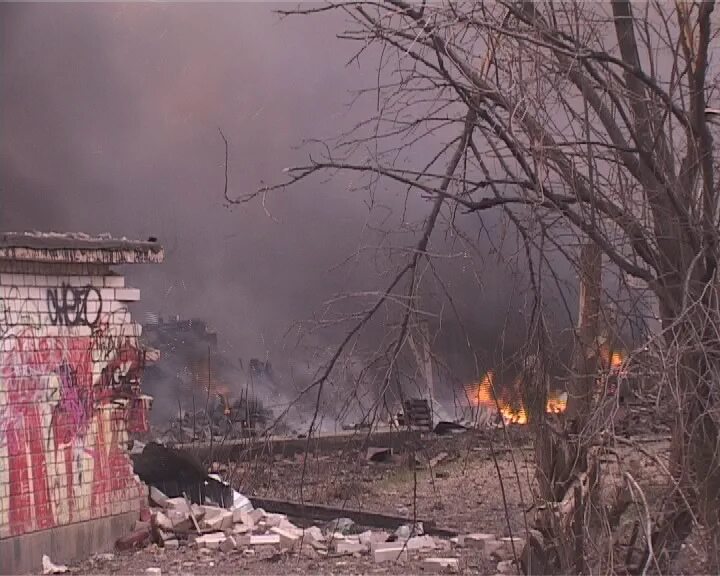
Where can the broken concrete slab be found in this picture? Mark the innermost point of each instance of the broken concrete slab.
(439, 565)
(394, 554)
(153, 571)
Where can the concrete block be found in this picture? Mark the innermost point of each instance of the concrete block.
(371, 537)
(217, 518)
(506, 567)
(486, 543)
(264, 539)
(440, 565)
(154, 571)
(394, 554)
(288, 539)
(421, 543)
(273, 520)
(314, 533)
(173, 544)
(505, 550)
(211, 541)
(127, 294)
(163, 522)
(114, 281)
(256, 515)
(347, 547)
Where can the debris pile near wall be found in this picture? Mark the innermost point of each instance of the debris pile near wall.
(173, 523)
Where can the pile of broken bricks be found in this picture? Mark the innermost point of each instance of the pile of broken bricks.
(173, 522)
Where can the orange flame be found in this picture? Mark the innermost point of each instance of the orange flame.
(482, 394)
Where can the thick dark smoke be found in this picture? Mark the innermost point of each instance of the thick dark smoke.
(110, 117)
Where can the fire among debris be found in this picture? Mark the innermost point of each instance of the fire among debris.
(483, 394)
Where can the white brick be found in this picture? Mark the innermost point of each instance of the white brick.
(127, 294)
(107, 294)
(114, 281)
(264, 539)
(390, 554)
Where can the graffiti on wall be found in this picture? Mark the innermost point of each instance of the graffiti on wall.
(67, 404)
(74, 305)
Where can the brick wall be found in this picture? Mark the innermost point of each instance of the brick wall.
(70, 367)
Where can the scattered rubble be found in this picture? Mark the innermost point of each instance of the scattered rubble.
(176, 523)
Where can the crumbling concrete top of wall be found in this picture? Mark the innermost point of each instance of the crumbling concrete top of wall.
(77, 248)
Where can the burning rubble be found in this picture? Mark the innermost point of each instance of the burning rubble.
(223, 420)
(202, 394)
(497, 397)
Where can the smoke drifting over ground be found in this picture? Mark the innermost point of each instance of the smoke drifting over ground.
(110, 117)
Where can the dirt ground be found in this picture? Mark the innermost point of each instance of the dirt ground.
(467, 490)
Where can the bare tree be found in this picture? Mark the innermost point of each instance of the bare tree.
(583, 124)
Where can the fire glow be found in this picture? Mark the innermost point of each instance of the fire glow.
(483, 394)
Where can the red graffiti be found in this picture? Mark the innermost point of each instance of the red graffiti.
(64, 406)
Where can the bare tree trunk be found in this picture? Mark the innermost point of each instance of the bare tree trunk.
(565, 470)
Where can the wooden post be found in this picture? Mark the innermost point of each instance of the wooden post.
(423, 357)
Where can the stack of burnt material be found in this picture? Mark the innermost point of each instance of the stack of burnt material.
(417, 413)
(220, 422)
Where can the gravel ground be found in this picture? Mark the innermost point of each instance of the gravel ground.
(463, 491)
